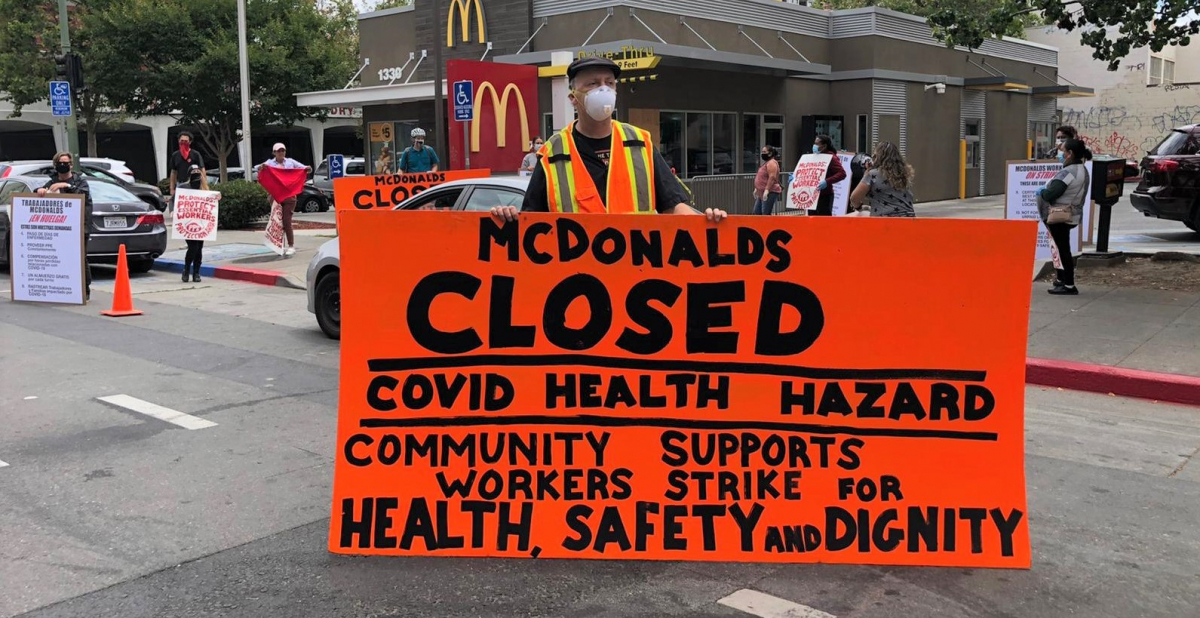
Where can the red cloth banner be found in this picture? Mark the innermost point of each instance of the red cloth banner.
(282, 183)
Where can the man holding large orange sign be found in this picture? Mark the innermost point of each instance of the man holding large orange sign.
(663, 388)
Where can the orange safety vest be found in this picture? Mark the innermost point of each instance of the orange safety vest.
(569, 187)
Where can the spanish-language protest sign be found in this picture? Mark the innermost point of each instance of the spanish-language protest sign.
(663, 388)
(1022, 181)
(841, 190)
(46, 248)
(387, 191)
(195, 215)
(802, 192)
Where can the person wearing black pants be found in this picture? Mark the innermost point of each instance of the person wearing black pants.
(1061, 233)
(195, 248)
(834, 174)
(1060, 206)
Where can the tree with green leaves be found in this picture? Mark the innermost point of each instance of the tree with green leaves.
(29, 41)
(181, 59)
(1138, 23)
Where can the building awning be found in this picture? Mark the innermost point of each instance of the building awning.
(370, 95)
(1063, 91)
(681, 56)
(994, 83)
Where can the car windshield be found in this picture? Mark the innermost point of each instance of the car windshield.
(106, 192)
(1173, 144)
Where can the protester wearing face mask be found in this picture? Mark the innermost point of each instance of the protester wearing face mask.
(182, 161)
(530, 161)
(64, 180)
(1061, 135)
(418, 157)
(834, 174)
(766, 183)
(599, 165)
(1060, 205)
(197, 181)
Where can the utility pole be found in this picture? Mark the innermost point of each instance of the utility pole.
(244, 69)
(439, 105)
(64, 39)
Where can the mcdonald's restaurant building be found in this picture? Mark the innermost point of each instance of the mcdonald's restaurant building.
(711, 80)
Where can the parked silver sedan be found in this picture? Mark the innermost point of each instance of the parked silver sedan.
(118, 217)
(476, 194)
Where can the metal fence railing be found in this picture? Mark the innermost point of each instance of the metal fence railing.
(732, 192)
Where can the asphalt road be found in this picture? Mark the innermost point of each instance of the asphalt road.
(108, 511)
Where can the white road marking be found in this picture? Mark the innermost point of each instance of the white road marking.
(175, 417)
(3, 465)
(31, 398)
(767, 606)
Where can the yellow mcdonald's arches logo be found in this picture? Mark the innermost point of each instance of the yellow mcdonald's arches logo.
(500, 111)
(464, 8)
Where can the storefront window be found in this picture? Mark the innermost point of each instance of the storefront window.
(1043, 139)
(751, 142)
(723, 144)
(699, 144)
(670, 139)
(831, 126)
(863, 137)
(394, 136)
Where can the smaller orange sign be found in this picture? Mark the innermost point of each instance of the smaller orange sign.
(389, 190)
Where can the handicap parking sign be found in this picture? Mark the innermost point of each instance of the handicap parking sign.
(60, 98)
(464, 99)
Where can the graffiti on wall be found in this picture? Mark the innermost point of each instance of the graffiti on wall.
(1127, 132)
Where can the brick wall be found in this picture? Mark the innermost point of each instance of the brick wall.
(508, 27)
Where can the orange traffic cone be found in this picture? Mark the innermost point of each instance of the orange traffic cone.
(122, 294)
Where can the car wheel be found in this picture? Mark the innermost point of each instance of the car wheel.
(311, 204)
(329, 305)
(141, 265)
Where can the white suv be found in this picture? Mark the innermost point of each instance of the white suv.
(117, 167)
(355, 166)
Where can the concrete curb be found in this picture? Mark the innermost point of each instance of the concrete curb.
(235, 273)
(1169, 387)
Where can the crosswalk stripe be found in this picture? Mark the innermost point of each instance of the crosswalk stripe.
(767, 606)
(175, 417)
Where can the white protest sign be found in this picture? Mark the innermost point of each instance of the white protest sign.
(841, 190)
(46, 248)
(274, 234)
(195, 215)
(1022, 181)
(802, 192)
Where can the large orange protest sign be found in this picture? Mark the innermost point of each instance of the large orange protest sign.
(386, 191)
(631, 387)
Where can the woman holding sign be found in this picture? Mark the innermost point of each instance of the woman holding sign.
(1060, 204)
(835, 174)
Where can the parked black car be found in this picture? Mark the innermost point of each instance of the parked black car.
(147, 193)
(118, 217)
(1170, 185)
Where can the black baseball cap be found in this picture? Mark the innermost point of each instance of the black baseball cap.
(591, 62)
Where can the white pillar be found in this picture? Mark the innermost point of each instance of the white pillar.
(158, 131)
(316, 133)
(563, 113)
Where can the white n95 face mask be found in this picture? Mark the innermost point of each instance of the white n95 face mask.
(600, 103)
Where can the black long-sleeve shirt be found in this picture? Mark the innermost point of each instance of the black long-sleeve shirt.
(77, 184)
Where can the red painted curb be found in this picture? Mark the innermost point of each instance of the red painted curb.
(1116, 380)
(235, 273)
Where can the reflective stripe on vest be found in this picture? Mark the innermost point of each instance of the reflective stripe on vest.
(630, 183)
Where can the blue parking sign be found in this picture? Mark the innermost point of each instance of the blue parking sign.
(464, 99)
(60, 98)
(337, 166)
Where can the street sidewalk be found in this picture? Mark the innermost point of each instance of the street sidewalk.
(243, 255)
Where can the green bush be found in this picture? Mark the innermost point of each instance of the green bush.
(242, 203)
